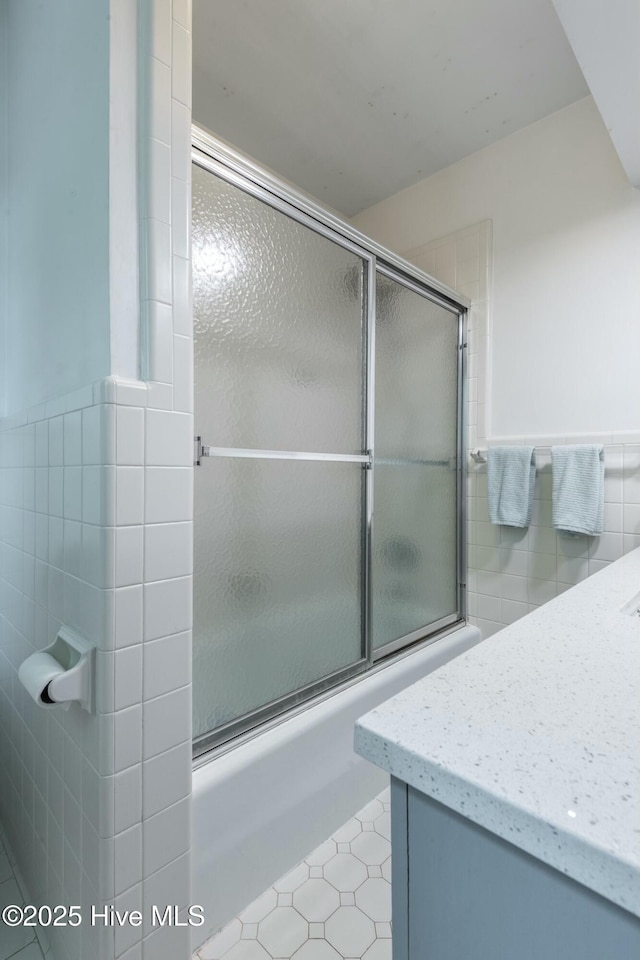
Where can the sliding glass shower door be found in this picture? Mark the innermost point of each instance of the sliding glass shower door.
(316, 550)
(280, 336)
(416, 479)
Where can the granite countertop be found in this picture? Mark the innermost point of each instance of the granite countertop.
(533, 733)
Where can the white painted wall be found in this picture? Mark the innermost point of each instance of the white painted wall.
(565, 311)
(57, 332)
(124, 170)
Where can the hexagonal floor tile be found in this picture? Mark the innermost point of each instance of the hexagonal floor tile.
(316, 900)
(349, 931)
(259, 909)
(383, 825)
(283, 932)
(322, 853)
(316, 950)
(345, 872)
(371, 848)
(247, 950)
(380, 950)
(374, 899)
(344, 906)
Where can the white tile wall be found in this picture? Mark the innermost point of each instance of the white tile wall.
(57, 781)
(510, 572)
(78, 788)
(522, 569)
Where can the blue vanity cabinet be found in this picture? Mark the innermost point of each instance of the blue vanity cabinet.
(462, 893)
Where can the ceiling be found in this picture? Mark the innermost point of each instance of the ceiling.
(353, 100)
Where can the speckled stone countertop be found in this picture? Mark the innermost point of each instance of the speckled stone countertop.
(534, 733)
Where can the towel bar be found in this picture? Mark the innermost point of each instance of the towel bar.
(613, 461)
(479, 455)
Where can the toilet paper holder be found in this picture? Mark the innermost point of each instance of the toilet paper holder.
(74, 682)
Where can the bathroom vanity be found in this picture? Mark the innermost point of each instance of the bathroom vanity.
(515, 787)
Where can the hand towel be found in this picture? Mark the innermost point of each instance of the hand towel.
(511, 474)
(578, 488)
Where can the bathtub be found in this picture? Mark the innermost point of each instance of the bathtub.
(263, 806)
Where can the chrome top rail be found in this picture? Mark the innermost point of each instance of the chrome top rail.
(226, 154)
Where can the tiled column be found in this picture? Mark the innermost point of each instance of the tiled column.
(154, 499)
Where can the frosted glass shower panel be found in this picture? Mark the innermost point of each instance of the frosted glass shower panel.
(278, 315)
(277, 584)
(308, 563)
(414, 575)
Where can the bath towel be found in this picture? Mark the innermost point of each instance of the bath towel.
(578, 488)
(511, 474)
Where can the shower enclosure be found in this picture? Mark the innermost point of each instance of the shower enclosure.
(328, 480)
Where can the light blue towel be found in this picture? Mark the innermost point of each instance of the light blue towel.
(511, 474)
(578, 488)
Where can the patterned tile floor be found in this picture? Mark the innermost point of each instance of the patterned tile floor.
(335, 905)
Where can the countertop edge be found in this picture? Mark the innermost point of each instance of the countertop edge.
(481, 772)
(570, 855)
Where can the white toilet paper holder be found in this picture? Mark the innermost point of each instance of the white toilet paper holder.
(76, 657)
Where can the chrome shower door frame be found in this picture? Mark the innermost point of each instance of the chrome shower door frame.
(222, 161)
